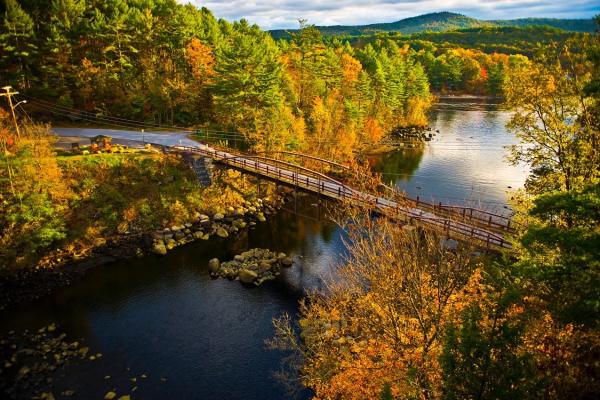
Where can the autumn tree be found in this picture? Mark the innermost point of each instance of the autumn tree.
(552, 121)
(378, 325)
(31, 206)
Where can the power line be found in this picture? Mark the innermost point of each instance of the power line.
(209, 134)
(218, 134)
(120, 120)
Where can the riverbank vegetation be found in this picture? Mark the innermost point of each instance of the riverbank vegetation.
(74, 203)
(407, 317)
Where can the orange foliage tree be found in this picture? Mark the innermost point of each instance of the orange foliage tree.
(380, 322)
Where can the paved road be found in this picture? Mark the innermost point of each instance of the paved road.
(161, 138)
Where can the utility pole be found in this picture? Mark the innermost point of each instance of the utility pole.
(9, 95)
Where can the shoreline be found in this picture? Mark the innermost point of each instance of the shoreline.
(30, 284)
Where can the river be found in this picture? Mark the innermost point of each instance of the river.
(197, 337)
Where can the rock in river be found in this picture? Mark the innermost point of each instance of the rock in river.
(159, 248)
(252, 266)
(222, 232)
(214, 265)
(247, 276)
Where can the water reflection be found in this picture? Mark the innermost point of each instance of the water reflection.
(165, 316)
(465, 163)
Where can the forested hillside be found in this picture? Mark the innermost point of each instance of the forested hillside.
(437, 22)
(446, 21)
(506, 40)
(166, 63)
(575, 25)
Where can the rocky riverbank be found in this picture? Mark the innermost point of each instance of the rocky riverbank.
(252, 267)
(64, 267)
(414, 135)
(202, 227)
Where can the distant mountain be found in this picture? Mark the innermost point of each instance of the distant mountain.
(444, 21)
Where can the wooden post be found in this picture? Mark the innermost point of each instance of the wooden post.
(9, 95)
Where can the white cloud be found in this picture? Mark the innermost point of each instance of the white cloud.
(272, 14)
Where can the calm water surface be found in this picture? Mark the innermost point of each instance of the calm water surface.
(165, 317)
(464, 163)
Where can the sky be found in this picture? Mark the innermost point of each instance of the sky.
(273, 14)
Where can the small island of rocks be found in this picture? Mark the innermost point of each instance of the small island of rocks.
(254, 266)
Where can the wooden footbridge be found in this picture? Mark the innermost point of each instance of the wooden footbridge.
(484, 229)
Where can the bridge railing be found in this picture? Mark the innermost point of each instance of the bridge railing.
(464, 213)
(324, 185)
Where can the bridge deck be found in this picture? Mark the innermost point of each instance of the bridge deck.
(328, 187)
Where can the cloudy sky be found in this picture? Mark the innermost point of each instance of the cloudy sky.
(271, 14)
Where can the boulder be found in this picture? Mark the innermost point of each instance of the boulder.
(139, 253)
(198, 235)
(264, 266)
(286, 261)
(171, 244)
(247, 276)
(159, 248)
(218, 216)
(239, 223)
(222, 232)
(213, 265)
(239, 257)
(261, 217)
